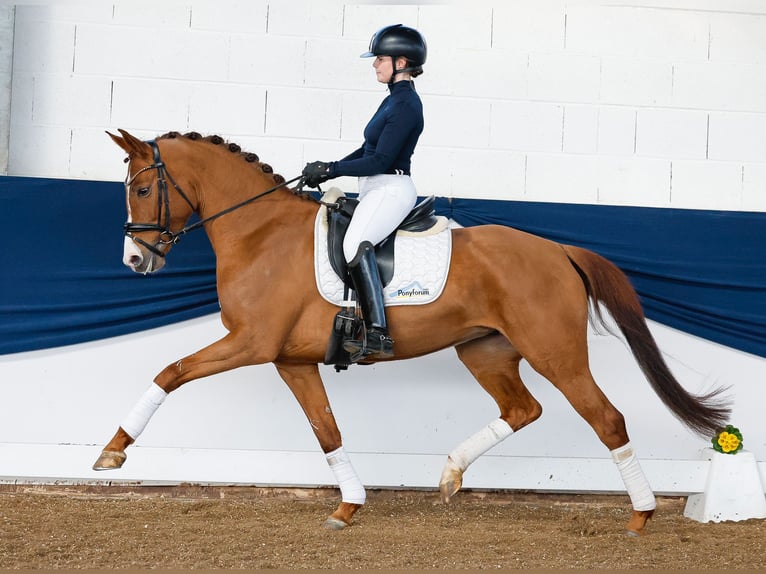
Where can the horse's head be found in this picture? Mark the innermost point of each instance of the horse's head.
(155, 213)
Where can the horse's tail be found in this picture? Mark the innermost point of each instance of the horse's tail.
(605, 283)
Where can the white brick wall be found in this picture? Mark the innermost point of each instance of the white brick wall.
(634, 181)
(630, 103)
(580, 129)
(617, 130)
(738, 38)
(42, 47)
(245, 16)
(718, 86)
(636, 82)
(754, 186)
(671, 133)
(738, 137)
(6, 71)
(563, 78)
(706, 184)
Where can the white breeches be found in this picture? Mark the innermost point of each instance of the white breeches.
(384, 202)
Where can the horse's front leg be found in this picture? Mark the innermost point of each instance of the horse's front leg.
(223, 355)
(306, 384)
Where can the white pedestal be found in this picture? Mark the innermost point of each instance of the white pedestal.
(733, 490)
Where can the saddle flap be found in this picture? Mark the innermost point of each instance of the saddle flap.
(421, 218)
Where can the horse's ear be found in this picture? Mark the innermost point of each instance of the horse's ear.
(131, 144)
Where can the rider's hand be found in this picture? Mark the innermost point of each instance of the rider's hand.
(316, 172)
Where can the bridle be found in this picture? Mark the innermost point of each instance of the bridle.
(166, 235)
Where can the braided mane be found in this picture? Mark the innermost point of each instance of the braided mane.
(232, 147)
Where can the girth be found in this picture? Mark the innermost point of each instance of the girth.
(421, 218)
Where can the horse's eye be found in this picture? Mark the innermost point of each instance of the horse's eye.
(143, 192)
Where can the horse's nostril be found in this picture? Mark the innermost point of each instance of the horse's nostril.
(135, 260)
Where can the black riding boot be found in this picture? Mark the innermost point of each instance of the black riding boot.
(375, 342)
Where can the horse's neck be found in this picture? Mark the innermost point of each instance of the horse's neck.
(228, 180)
(276, 217)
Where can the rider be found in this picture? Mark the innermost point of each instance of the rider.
(382, 164)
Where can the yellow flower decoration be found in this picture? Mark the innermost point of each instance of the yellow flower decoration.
(728, 440)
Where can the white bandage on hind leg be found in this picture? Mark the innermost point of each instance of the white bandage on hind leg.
(477, 444)
(137, 418)
(351, 488)
(641, 495)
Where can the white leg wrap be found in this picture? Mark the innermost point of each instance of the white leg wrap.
(638, 488)
(137, 419)
(476, 445)
(351, 488)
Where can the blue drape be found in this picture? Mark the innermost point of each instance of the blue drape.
(699, 271)
(63, 282)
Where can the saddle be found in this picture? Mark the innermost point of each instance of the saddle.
(421, 218)
(347, 322)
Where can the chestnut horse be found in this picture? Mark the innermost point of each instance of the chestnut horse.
(510, 296)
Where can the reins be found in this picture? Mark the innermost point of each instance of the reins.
(202, 222)
(167, 236)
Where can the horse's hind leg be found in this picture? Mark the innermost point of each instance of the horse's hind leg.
(494, 362)
(223, 355)
(569, 372)
(591, 403)
(306, 384)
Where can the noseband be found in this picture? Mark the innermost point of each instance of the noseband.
(166, 235)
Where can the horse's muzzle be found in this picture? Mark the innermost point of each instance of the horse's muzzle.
(140, 261)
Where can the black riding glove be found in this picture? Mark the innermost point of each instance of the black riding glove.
(316, 172)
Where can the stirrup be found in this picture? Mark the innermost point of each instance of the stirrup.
(376, 343)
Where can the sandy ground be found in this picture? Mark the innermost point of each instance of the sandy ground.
(251, 528)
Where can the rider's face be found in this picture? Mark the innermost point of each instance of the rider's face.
(383, 68)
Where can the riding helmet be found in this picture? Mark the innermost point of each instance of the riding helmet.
(398, 40)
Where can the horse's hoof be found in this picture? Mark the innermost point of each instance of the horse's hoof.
(451, 480)
(110, 459)
(448, 490)
(334, 524)
(637, 524)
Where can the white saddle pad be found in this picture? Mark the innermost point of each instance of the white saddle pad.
(421, 263)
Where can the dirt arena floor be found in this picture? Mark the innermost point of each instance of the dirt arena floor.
(251, 528)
